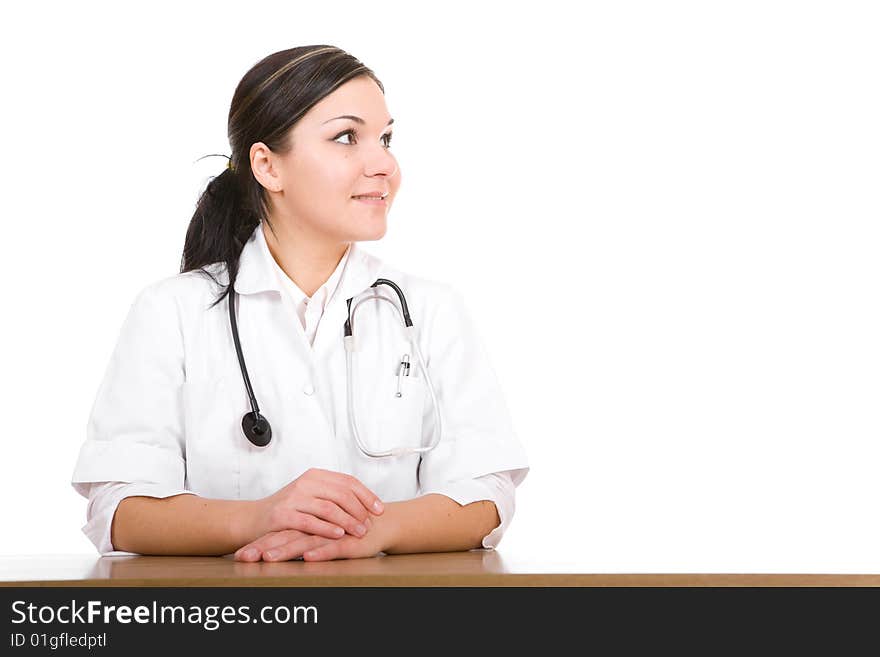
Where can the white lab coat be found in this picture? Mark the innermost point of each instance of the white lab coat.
(167, 416)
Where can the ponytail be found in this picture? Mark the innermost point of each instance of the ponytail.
(219, 228)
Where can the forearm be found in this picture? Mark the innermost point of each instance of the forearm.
(183, 525)
(437, 523)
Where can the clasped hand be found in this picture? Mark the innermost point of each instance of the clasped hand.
(319, 516)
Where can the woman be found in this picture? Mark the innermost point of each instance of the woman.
(170, 466)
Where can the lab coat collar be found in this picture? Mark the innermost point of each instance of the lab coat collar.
(256, 271)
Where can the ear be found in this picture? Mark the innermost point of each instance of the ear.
(263, 167)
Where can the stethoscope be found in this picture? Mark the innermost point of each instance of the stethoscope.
(256, 427)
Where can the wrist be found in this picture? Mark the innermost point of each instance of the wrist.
(387, 527)
(246, 522)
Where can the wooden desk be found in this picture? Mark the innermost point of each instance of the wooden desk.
(474, 568)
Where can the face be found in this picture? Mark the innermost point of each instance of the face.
(312, 188)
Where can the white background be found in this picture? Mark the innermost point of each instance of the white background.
(664, 219)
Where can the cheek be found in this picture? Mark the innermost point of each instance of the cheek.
(325, 184)
(327, 170)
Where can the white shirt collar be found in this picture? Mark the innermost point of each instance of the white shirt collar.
(322, 294)
(258, 271)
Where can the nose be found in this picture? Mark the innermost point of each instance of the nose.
(382, 163)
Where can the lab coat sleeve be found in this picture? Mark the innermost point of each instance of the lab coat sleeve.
(104, 498)
(478, 438)
(497, 487)
(134, 434)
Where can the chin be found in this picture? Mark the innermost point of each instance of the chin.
(372, 236)
(371, 233)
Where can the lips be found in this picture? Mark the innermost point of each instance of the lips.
(374, 195)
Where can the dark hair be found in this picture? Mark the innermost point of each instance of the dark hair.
(268, 101)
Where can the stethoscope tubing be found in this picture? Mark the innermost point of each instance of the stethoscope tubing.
(350, 348)
(256, 427)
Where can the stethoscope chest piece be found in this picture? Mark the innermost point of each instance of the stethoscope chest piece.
(258, 431)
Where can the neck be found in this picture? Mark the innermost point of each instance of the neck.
(307, 261)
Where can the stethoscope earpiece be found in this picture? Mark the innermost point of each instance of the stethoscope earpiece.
(259, 432)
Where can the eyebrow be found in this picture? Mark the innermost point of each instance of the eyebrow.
(356, 119)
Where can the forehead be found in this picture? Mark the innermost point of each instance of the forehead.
(358, 97)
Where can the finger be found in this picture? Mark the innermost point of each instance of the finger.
(347, 500)
(276, 539)
(336, 489)
(368, 499)
(330, 511)
(309, 524)
(293, 549)
(248, 553)
(253, 551)
(326, 552)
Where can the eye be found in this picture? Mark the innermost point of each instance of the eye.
(353, 133)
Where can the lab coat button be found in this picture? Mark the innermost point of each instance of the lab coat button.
(309, 389)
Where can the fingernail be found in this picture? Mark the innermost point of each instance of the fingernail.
(271, 554)
(368, 523)
(360, 530)
(249, 553)
(377, 506)
(339, 531)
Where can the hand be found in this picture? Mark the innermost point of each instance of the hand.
(319, 503)
(292, 544)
